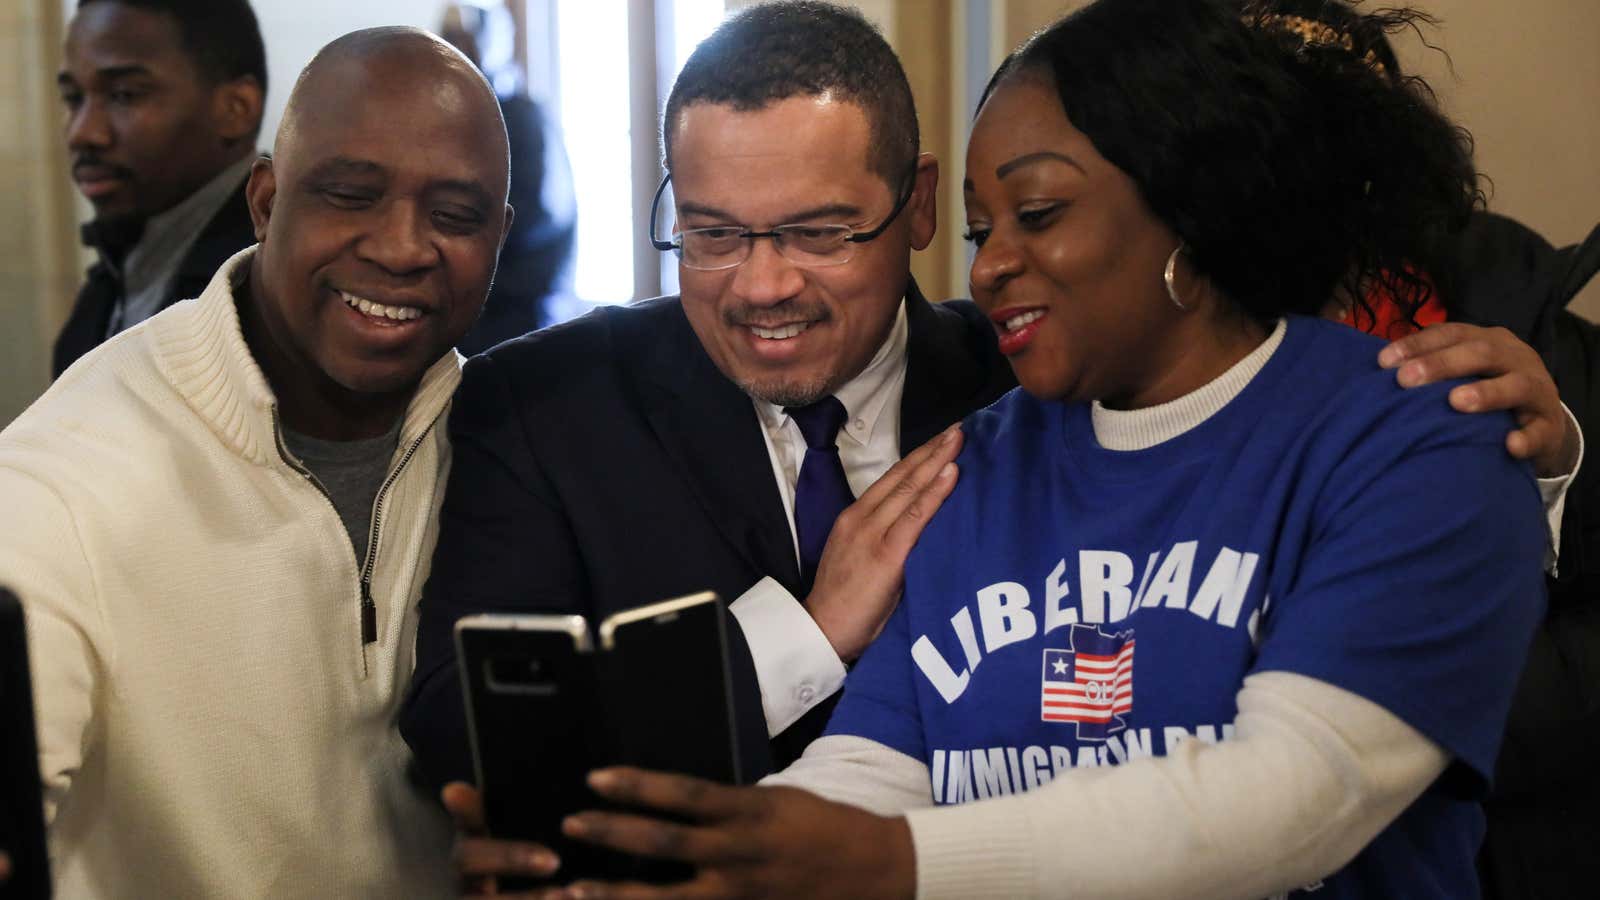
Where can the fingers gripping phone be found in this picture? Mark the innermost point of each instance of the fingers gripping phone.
(545, 707)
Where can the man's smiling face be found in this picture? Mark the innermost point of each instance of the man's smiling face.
(786, 333)
(380, 219)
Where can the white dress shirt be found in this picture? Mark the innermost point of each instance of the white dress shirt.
(1554, 493)
(795, 665)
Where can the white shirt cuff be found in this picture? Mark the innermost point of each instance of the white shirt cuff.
(1554, 493)
(795, 665)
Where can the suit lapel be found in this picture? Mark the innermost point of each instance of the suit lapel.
(946, 373)
(709, 428)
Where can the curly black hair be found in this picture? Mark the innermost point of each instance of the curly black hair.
(1292, 168)
(799, 48)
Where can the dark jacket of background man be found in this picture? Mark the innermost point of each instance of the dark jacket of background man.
(621, 417)
(163, 105)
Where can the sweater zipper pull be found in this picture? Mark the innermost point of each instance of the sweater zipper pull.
(369, 615)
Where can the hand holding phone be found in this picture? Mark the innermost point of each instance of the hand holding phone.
(529, 684)
(545, 707)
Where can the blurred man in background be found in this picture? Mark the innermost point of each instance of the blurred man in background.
(533, 287)
(163, 103)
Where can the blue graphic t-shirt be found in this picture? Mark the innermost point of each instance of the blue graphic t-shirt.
(1075, 606)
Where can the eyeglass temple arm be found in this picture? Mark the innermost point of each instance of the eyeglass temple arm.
(905, 197)
(655, 208)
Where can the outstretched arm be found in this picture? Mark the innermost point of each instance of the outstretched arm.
(1313, 774)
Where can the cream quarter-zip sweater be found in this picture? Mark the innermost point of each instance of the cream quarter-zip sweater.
(211, 723)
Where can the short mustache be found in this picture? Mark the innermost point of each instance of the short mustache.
(98, 163)
(776, 316)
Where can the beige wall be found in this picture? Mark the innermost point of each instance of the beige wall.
(38, 261)
(922, 37)
(1527, 85)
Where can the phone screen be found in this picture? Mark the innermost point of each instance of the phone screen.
(545, 709)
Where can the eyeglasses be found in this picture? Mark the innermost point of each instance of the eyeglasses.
(726, 246)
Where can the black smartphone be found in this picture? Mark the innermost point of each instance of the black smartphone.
(529, 682)
(665, 673)
(21, 796)
(545, 707)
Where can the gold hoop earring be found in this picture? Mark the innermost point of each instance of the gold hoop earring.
(1169, 276)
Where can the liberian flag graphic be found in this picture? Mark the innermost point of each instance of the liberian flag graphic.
(1090, 684)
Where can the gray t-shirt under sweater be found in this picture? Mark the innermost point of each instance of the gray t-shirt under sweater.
(351, 472)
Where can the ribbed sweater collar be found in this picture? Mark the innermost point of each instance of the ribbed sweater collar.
(1139, 429)
(200, 349)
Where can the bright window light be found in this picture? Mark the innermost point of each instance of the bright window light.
(594, 119)
(693, 21)
(594, 82)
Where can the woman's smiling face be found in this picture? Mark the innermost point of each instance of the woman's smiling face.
(1069, 258)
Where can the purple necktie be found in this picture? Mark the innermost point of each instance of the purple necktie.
(821, 492)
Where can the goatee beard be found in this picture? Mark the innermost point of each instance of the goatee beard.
(786, 393)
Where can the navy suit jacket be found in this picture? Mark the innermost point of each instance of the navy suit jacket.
(607, 463)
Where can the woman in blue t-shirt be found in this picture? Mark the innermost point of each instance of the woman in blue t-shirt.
(1216, 608)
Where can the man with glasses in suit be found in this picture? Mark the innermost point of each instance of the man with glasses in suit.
(709, 441)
